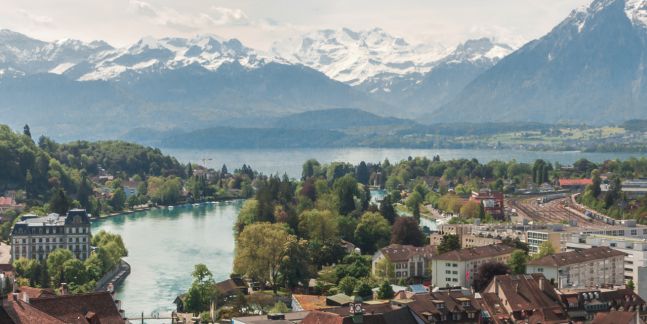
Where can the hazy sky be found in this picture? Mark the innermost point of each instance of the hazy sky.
(258, 23)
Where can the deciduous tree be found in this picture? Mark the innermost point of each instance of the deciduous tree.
(406, 231)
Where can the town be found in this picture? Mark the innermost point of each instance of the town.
(415, 241)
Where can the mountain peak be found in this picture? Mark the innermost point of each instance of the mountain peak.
(353, 56)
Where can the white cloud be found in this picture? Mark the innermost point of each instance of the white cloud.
(34, 18)
(170, 17)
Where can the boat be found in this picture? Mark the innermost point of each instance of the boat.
(196, 205)
(170, 207)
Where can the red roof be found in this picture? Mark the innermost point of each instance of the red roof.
(7, 201)
(575, 182)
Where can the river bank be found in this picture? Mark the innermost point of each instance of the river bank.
(149, 208)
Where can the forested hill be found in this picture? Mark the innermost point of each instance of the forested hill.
(43, 167)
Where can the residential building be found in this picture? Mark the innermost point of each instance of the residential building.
(451, 306)
(617, 318)
(9, 203)
(556, 237)
(458, 268)
(492, 202)
(633, 189)
(594, 267)
(363, 313)
(467, 241)
(635, 261)
(35, 237)
(408, 261)
(34, 306)
(584, 305)
(522, 299)
(287, 318)
(559, 235)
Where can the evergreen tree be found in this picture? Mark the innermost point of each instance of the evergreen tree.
(223, 170)
(385, 291)
(387, 210)
(59, 203)
(362, 173)
(26, 131)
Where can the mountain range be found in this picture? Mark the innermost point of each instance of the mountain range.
(589, 69)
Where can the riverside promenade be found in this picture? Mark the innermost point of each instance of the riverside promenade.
(114, 277)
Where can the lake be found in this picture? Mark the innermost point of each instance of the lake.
(290, 161)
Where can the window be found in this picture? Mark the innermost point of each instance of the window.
(455, 265)
(448, 272)
(455, 279)
(448, 264)
(540, 270)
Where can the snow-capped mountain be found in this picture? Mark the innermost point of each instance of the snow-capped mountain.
(591, 67)
(22, 55)
(150, 54)
(419, 93)
(356, 56)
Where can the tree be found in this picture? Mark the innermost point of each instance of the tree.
(631, 285)
(406, 231)
(413, 203)
(318, 225)
(517, 262)
(203, 290)
(26, 131)
(260, 251)
(384, 270)
(279, 308)
(310, 168)
(296, 265)
(387, 210)
(545, 249)
(347, 285)
(224, 171)
(362, 173)
(345, 188)
(55, 265)
(372, 232)
(118, 200)
(363, 289)
(385, 291)
(471, 209)
(75, 275)
(486, 272)
(59, 203)
(449, 242)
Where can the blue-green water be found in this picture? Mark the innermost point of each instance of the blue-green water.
(164, 245)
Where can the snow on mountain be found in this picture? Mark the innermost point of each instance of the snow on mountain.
(207, 51)
(353, 57)
(25, 55)
(419, 93)
(589, 68)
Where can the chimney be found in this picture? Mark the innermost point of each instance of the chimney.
(63, 289)
(542, 284)
(25, 297)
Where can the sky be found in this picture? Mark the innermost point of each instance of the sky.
(258, 23)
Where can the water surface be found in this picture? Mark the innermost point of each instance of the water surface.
(164, 245)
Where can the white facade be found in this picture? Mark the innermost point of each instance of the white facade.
(460, 273)
(635, 263)
(35, 237)
(592, 273)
